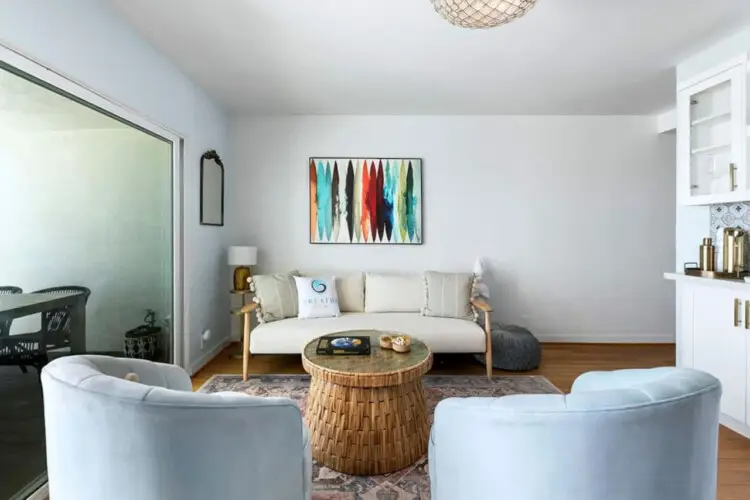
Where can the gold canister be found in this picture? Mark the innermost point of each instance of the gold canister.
(707, 255)
(734, 250)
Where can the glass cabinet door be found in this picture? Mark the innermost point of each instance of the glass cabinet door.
(715, 110)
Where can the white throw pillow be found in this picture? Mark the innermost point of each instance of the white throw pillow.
(317, 297)
(394, 292)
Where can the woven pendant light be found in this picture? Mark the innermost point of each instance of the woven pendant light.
(479, 14)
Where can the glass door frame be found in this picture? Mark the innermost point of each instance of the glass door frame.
(28, 68)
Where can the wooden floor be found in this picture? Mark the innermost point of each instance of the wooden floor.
(561, 364)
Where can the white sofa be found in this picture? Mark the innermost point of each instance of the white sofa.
(373, 302)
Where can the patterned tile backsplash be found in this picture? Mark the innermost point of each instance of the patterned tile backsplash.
(731, 215)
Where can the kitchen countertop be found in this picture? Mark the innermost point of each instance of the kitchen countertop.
(712, 282)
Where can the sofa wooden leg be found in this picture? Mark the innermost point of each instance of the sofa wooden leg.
(245, 346)
(488, 342)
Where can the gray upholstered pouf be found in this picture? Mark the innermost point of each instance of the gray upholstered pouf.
(513, 348)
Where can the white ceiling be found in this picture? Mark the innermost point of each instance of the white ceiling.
(400, 57)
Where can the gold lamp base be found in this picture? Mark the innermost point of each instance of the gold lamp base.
(241, 274)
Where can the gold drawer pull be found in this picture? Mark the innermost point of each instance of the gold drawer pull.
(747, 315)
(737, 312)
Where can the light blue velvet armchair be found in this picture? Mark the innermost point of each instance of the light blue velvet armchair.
(108, 438)
(622, 435)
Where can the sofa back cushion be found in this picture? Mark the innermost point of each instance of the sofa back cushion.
(350, 288)
(448, 295)
(276, 295)
(394, 292)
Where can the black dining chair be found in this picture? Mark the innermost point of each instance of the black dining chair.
(56, 323)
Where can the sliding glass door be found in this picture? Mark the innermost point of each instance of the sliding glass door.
(86, 207)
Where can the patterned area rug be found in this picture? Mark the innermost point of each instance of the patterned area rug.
(412, 483)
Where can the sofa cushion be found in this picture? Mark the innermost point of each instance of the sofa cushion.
(448, 295)
(317, 297)
(276, 294)
(289, 336)
(394, 293)
(350, 288)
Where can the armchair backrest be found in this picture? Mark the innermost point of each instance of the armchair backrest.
(631, 434)
(111, 438)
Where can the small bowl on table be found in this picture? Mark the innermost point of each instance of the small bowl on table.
(386, 342)
(401, 343)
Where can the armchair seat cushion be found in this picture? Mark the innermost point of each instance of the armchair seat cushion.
(442, 335)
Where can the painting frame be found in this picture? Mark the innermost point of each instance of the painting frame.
(386, 235)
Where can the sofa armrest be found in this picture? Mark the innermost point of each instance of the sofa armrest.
(246, 309)
(481, 304)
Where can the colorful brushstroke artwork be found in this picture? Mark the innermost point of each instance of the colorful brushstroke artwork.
(366, 200)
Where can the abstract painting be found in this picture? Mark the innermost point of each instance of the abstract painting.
(366, 200)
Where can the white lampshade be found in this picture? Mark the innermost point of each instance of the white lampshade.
(243, 256)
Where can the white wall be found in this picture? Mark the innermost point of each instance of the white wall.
(92, 208)
(86, 41)
(575, 215)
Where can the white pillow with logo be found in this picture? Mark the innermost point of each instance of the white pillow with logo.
(317, 297)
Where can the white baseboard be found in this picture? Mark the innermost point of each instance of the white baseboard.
(738, 427)
(199, 363)
(608, 338)
(40, 494)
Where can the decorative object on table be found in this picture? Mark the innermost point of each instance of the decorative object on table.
(212, 189)
(411, 482)
(143, 341)
(317, 297)
(386, 342)
(448, 295)
(243, 258)
(481, 14)
(276, 296)
(352, 396)
(343, 344)
(401, 343)
(514, 348)
(366, 200)
(707, 257)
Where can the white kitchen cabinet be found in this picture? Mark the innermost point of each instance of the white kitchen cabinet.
(714, 336)
(720, 345)
(712, 136)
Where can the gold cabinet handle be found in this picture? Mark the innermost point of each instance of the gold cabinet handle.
(747, 315)
(732, 174)
(737, 312)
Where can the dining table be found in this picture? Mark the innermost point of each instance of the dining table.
(25, 304)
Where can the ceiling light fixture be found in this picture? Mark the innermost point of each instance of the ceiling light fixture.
(480, 14)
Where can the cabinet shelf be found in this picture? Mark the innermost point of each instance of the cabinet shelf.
(708, 119)
(708, 149)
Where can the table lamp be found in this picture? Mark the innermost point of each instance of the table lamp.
(243, 258)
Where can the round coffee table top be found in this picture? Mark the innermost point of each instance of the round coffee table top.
(381, 368)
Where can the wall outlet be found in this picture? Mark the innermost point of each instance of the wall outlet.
(205, 336)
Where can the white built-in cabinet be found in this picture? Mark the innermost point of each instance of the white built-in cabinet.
(713, 134)
(714, 336)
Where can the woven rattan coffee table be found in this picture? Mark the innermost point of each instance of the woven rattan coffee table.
(367, 414)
